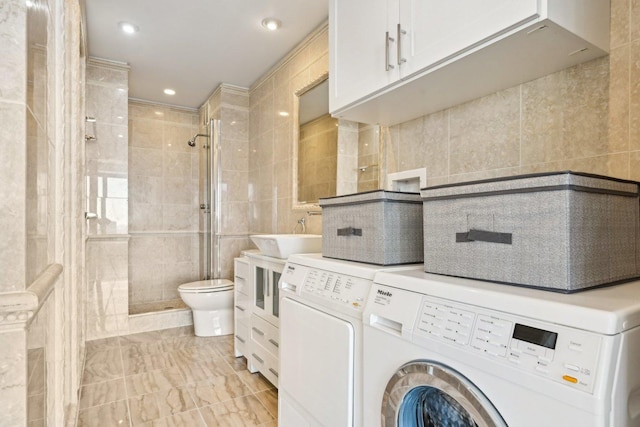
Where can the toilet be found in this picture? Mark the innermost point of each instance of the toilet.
(211, 302)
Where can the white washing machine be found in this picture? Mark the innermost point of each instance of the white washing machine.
(442, 351)
(321, 305)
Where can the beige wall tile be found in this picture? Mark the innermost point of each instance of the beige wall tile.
(14, 46)
(485, 134)
(619, 99)
(108, 103)
(634, 95)
(564, 115)
(12, 197)
(619, 22)
(634, 165)
(634, 20)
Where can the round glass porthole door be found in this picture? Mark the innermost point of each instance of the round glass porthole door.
(428, 394)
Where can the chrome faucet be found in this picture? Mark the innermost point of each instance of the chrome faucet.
(301, 222)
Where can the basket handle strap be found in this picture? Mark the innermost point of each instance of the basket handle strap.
(483, 236)
(349, 231)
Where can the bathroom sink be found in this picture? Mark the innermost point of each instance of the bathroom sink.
(283, 245)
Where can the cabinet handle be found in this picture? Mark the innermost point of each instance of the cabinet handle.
(255, 356)
(239, 308)
(274, 372)
(258, 331)
(387, 39)
(401, 32)
(240, 339)
(275, 343)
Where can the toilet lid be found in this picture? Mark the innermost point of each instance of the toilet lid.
(214, 285)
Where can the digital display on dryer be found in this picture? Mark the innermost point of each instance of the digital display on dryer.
(535, 336)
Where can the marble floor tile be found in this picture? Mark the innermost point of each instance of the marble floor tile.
(143, 349)
(138, 363)
(194, 371)
(101, 393)
(151, 382)
(219, 389)
(142, 337)
(198, 352)
(172, 378)
(269, 399)
(113, 414)
(102, 366)
(102, 344)
(225, 348)
(183, 419)
(256, 382)
(183, 331)
(236, 363)
(149, 407)
(242, 411)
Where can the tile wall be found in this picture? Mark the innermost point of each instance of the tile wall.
(347, 181)
(41, 250)
(583, 118)
(163, 201)
(270, 137)
(369, 157)
(38, 142)
(106, 177)
(229, 105)
(13, 99)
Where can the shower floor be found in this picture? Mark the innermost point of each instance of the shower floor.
(150, 307)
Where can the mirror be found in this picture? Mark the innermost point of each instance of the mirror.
(316, 147)
(330, 156)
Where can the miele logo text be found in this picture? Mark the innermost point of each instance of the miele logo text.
(384, 293)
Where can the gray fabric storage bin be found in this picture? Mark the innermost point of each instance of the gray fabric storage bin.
(561, 231)
(377, 227)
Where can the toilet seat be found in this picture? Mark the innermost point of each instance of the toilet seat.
(206, 286)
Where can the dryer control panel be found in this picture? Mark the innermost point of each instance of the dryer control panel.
(342, 292)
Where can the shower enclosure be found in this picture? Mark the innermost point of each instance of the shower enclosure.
(172, 201)
(211, 203)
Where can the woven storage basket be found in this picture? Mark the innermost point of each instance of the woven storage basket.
(377, 227)
(560, 231)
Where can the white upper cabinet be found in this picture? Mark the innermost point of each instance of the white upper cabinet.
(357, 45)
(434, 30)
(395, 60)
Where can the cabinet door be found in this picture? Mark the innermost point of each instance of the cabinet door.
(275, 293)
(357, 31)
(260, 277)
(437, 30)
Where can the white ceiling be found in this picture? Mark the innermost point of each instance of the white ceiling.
(192, 46)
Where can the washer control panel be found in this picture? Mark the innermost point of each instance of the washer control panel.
(562, 354)
(335, 290)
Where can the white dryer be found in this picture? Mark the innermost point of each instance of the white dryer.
(443, 351)
(321, 305)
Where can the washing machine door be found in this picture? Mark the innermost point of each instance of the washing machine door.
(428, 394)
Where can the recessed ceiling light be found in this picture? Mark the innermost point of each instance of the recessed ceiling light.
(271, 23)
(128, 27)
(169, 92)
